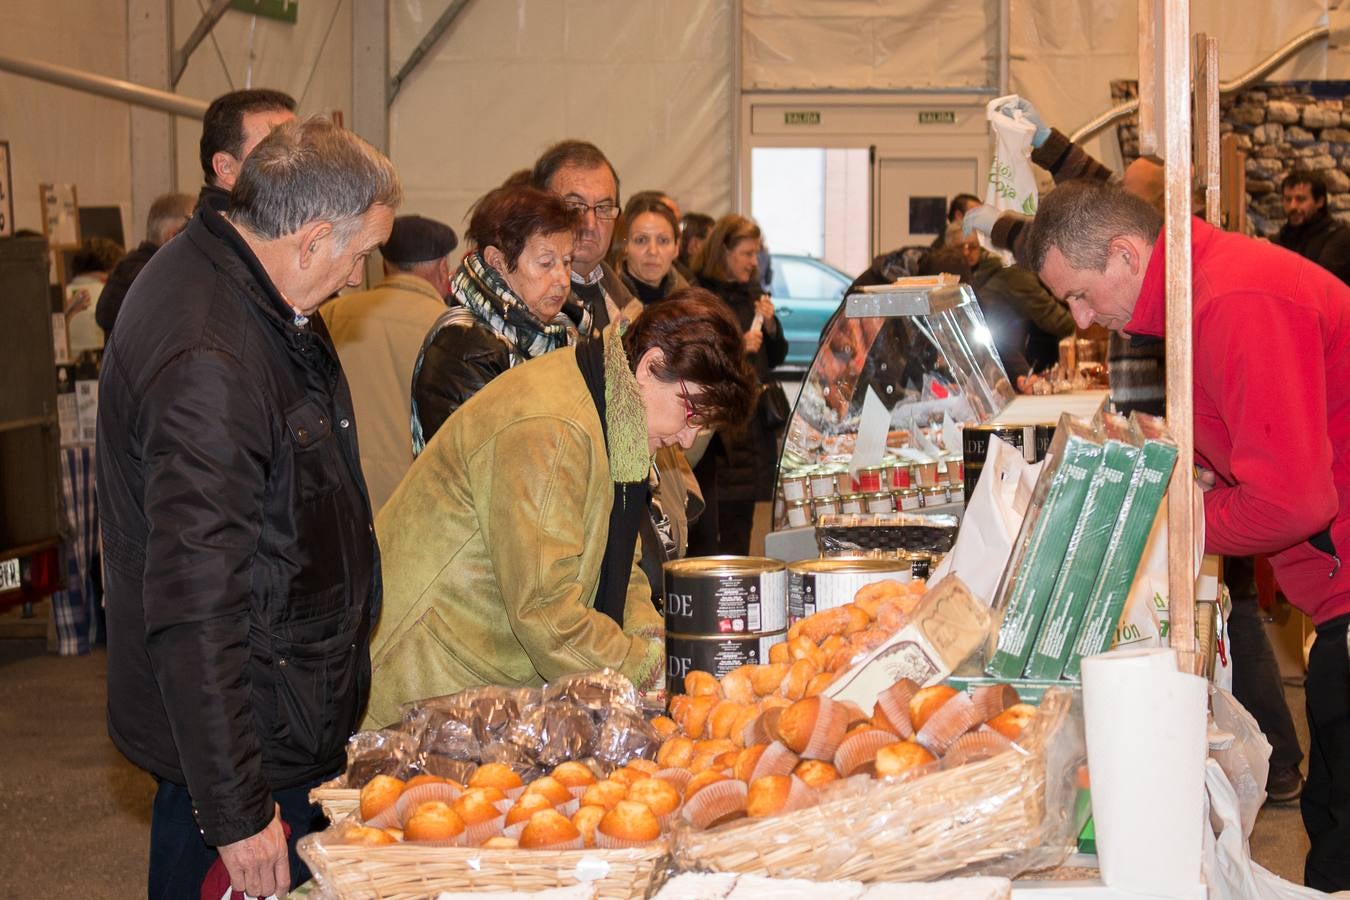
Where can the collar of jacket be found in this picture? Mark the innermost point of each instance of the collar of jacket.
(630, 459)
(228, 249)
(404, 281)
(212, 197)
(1322, 220)
(1149, 319)
(596, 275)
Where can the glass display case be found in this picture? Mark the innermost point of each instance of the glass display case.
(876, 427)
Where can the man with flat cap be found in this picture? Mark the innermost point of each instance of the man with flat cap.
(378, 334)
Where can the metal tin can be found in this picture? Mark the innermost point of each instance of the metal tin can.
(843, 481)
(900, 475)
(725, 595)
(880, 502)
(868, 480)
(926, 472)
(817, 584)
(909, 499)
(794, 487)
(715, 653)
(822, 482)
(935, 495)
(799, 513)
(851, 504)
(920, 563)
(956, 472)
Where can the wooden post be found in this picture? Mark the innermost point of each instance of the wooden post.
(1233, 175)
(1172, 34)
(1151, 127)
(1207, 123)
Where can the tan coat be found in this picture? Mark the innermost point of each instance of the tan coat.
(378, 334)
(492, 549)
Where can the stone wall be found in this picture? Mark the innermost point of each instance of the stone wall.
(1279, 126)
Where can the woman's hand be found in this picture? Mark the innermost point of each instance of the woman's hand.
(754, 340)
(764, 308)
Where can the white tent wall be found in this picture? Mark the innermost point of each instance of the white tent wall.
(55, 134)
(311, 60)
(647, 82)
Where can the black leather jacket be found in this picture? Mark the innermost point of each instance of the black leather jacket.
(461, 355)
(1324, 239)
(241, 570)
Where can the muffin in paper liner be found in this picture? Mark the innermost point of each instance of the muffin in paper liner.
(974, 746)
(952, 719)
(409, 800)
(677, 777)
(513, 831)
(831, 724)
(716, 804)
(776, 759)
(858, 752)
(891, 710)
(763, 729)
(992, 699)
(474, 835)
(798, 795)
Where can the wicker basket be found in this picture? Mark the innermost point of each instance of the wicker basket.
(918, 830)
(408, 871)
(336, 802)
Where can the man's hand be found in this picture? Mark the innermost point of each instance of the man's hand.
(1204, 479)
(1031, 115)
(981, 219)
(258, 865)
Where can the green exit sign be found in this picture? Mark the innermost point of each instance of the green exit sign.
(805, 117)
(282, 10)
(937, 117)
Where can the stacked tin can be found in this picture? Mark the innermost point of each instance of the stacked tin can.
(892, 485)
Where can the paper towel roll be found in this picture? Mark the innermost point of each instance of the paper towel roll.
(1145, 725)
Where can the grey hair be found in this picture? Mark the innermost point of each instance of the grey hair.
(1080, 218)
(167, 215)
(312, 171)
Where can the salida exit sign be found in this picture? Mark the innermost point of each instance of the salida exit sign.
(937, 117)
(802, 117)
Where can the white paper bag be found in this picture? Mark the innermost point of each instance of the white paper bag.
(992, 519)
(1012, 182)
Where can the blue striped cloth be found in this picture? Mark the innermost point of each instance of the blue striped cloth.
(73, 609)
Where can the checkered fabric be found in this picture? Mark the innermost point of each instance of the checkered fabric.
(73, 609)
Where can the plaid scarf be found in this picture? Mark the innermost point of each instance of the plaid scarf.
(483, 291)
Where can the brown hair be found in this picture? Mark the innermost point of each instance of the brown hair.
(507, 217)
(729, 231)
(639, 203)
(1082, 217)
(702, 343)
(577, 155)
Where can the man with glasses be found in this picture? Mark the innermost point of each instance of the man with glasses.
(586, 181)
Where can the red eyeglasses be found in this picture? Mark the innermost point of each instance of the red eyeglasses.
(688, 406)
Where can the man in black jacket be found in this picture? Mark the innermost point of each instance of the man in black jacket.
(1310, 230)
(233, 125)
(242, 575)
(168, 215)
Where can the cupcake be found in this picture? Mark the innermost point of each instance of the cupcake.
(604, 794)
(550, 788)
(992, 699)
(901, 757)
(628, 824)
(858, 751)
(716, 804)
(975, 746)
(367, 837)
(892, 710)
(433, 821)
(814, 727)
(546, 829)
(927, 701)
(425, 778)
(495, 775)
(477, 805)
(379, 794)
(816, 773)
(702, 780)
(747, 715)
(586, 819)
(951, 720)
(675, 753)
(774, 794)
(645, 766)
(1013, 721)
(575, 774)
(526, 806)
(656, 794)
(501, 842)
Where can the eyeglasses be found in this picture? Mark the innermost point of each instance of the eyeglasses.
(602, 210)
(688, 406)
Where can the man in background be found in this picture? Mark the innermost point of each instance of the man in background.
(168, 215)
(1310, 230)
(233, 125)
(378, 334)
(586, 181)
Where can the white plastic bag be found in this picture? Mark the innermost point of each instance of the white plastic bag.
(1012, 181)
(1246, 760)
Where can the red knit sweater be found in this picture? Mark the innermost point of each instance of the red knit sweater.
(1272, 406)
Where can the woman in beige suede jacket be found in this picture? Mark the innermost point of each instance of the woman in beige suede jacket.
(510, 549)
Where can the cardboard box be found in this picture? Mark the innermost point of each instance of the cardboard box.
(1038, 555)
(1087, 548)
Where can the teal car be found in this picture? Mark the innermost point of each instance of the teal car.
(806, 292)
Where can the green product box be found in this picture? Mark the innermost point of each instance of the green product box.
(1087, 547)
(1148, 485)
(1038, 554)
(1029, 691)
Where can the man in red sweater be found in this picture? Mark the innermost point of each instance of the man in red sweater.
(1272, 428)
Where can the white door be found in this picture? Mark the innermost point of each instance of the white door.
(910, 208)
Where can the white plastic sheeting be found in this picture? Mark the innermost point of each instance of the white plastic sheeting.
(869, 44)
(649, 83)
(310, 60)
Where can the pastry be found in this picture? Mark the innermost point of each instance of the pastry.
(497, 775)
(380, 793)
(547, 828)
(656, 794)
(630, 821)
(433, 821)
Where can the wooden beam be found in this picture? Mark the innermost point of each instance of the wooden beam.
(1206, 120)
(1233, 175)
(1150, 77)
(1172, 32)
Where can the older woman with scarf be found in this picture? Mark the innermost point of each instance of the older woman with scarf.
(507, 298)
(509, 549)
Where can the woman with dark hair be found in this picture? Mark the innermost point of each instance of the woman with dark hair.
(694, 230)
(507, 298)
(509, 548)
(649, 234)
(739, 470)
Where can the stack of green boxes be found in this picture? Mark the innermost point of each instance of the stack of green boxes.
(1085, 532)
